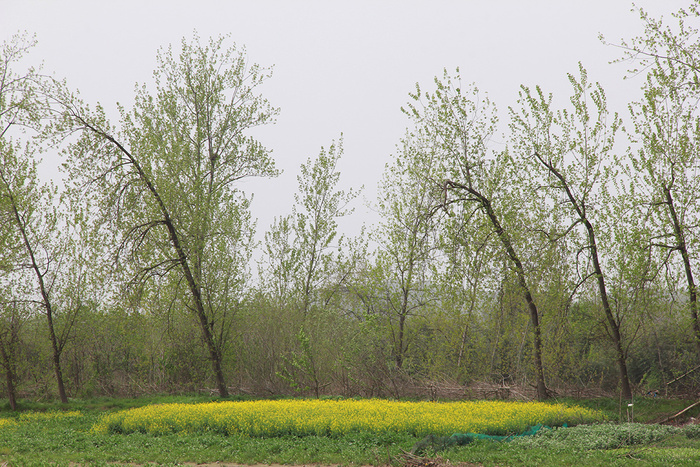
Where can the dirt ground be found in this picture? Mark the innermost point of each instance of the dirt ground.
(410, 462)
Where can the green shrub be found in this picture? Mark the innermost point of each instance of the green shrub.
(602, 436)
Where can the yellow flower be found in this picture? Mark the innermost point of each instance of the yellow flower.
(336, 418)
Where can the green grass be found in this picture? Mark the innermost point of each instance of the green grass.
(41, 440)
(64, 443)
(646, 409)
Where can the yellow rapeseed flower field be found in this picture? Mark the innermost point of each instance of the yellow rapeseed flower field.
(268, 418)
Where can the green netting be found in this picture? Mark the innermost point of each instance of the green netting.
(439, 443)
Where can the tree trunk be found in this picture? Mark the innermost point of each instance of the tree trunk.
(625, 388)
(541, 387)
(609, 316)
(542, 392)
(398, 347)
(46, 300)
(59, 376)
(173, 236)
(9, 377)
(11, 392)
(204, 323)
(682, 247)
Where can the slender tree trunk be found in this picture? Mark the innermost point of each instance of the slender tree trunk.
(625, 387)
(9, 375)
(541, 387)
(542, 392)
(205, 323)
(307, 281)
(465, 332)
(59, 373)
(200, 312)
(398, 347)
(609, 316)
(682, 247)
(46, 300)
(11, 392)
(462, 344)
(55, 346)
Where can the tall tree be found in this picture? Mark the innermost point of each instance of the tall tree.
(305, 267)
(406, 237)
(165, 182)
(460, 123)
(279, 266)
(35, 220)
(667, 128)
(30, 206)
(319, 205)
(573, 147)
(299, 247)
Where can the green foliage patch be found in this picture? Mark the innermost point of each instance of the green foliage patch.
(605, 436)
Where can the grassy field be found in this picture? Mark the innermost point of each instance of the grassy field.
(41, 434)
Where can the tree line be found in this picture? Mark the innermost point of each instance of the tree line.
(560, 262)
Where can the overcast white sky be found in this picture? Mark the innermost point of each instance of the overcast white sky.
(339, 66)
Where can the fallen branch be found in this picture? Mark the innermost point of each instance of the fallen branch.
(680, 413)
(683, 375)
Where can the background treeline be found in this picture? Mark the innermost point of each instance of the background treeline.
(562, 261)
